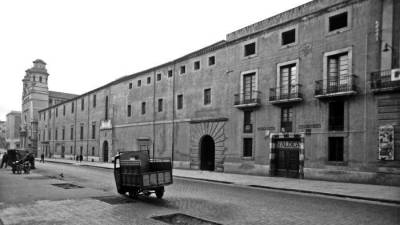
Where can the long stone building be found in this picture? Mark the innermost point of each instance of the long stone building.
(312, 92)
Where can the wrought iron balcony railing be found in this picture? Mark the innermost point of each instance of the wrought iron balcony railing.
(290, 93)
(382, 81)
(247, 99)
(342, 86)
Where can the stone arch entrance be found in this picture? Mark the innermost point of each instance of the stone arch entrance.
(105, 151)
(207, 144)
(207, 153)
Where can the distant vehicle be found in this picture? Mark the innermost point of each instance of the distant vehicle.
(135, 173)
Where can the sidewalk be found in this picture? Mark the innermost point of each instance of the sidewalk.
(380, 193)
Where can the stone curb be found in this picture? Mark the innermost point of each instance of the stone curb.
(260, 186)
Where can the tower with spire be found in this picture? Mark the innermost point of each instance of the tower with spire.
(35, 96)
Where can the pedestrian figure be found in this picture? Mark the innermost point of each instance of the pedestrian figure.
(80, 158)
(42, 158)
(4, 160)
(77, 158)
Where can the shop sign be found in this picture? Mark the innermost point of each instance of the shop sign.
(386, 143)
(288, 144)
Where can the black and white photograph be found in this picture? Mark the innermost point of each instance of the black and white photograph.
(213, 112)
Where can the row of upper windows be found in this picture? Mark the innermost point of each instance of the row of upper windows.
(81, 133)
(336, 22)
(38, 78)
(182, 70)
(179, 105)
(42, 115)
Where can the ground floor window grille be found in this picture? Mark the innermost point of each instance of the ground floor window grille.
(248, 147)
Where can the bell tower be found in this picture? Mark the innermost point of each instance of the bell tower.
(35, 96)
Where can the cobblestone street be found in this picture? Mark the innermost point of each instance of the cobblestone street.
(32, 199)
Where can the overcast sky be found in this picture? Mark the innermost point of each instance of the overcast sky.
(89, 43)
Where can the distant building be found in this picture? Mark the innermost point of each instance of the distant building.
(36, 96)
(13, 125)
(312, 92)
(2, 134)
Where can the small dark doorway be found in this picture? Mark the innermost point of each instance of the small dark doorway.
(207, 153)
(105, 151)
(287, 160)
(62, 151)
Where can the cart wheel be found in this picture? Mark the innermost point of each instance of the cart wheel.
(134, 193)
(121, 191)
(160, 192)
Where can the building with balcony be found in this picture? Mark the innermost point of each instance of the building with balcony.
(295, 95)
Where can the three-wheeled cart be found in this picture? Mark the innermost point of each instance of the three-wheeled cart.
(135, 173)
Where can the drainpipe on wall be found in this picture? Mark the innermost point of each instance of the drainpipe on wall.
(173, 114)
(87, 136)
(75, 127)
(154, 112)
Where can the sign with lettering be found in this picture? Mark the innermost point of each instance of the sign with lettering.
(266, 128)
(386, 143)
(306, 126)
(288, 144)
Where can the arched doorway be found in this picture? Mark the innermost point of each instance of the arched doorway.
(105, 151)
(207, 153)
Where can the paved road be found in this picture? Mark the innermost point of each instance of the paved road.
(31, 199)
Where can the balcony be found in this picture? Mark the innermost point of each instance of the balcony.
(382, 81)
(105, 124)
(247, 100)
(343, 86)
(279, 95)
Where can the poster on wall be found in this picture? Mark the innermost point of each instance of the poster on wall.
(386, 143)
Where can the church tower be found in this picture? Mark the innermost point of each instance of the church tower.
(35, 97)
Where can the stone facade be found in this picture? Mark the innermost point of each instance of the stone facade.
(300, 94)
(13, 125)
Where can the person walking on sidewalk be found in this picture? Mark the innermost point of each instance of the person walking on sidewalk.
(80, 158)
(4, 160)
(42, 158)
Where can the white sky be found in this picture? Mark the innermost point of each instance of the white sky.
(89, 43)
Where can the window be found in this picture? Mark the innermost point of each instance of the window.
(207, 96)
(288, 37)
(93, 151)
(287, 80)
(196, 65)
(247, 147)
(249, 87)
(63, 110)
(56, 111)
(93, 131)
(139, 83)
(336, 115)
(338, 21)
(211, 60)
(286, 119)
(72, 107)
(63, 133)
(338, 72)
(183, 69)
(49, 134)
(169, 73)
(106, 110)
(250, 49)
(44, 115)
(81, 148)
(160, 104)
(56, 136)
(94, 101)
(49, 114)
(72, 133)
(130, 85)
(143, 108)
(82, 104)
(180, 102)
(247, 122)
(335, 149)
(158, 76)
(40, 79)
(44, 135)
(81, 134)
(148, 80)
(70, 150)
(129, 111)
